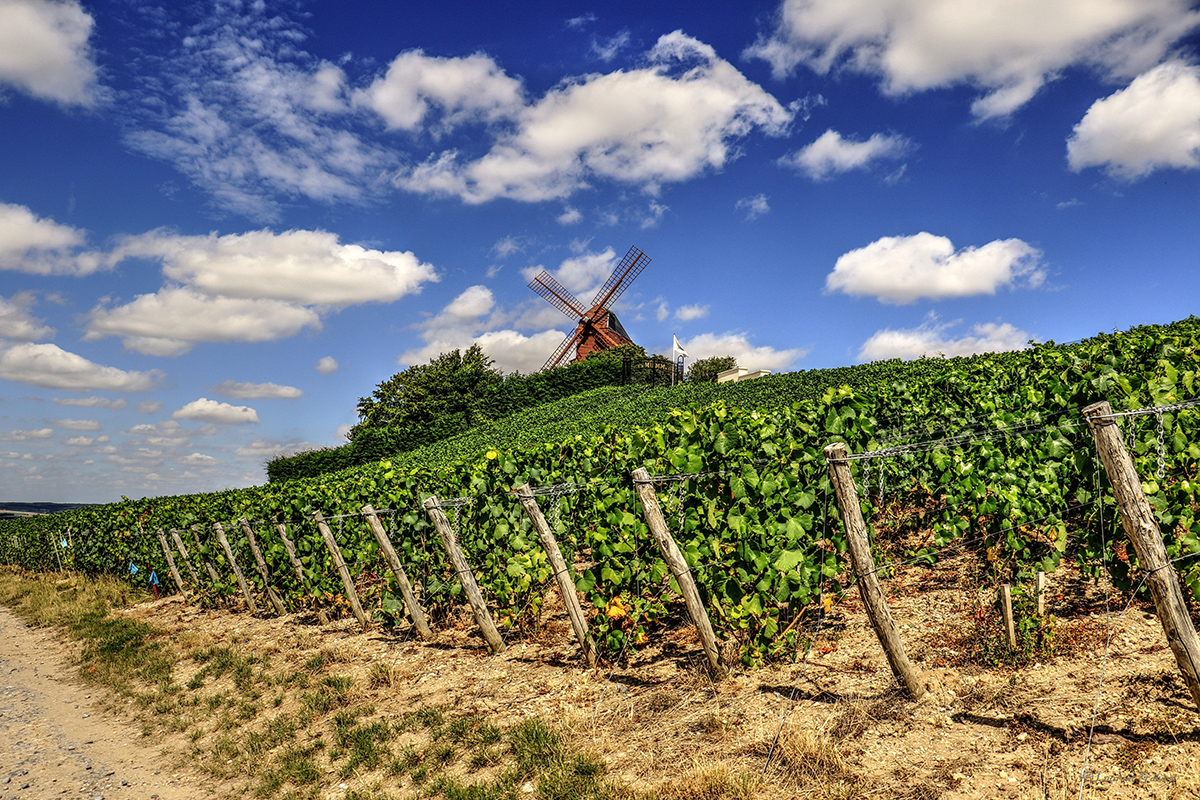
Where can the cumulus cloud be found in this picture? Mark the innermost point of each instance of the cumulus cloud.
(298, 266)
(248, 116)
(457, 91)
(1154, 123)
(253, 287)
(39, 246)
(44, 50)
(171, 321)
(205, 410)
(25, 436)
(256, 391)
(832, 154)
(688, 313)
(262, 449)
(932, 338)
(707, 345)
(51, 367)
(503, 248)
(76, 424)
(95, 401)
(149, 406)
(666, 122)
(1008, 49)
(583, 272)
(901, 269)
(754, 206)
(199, 460)
(17, 324)
(569, 216)
(326, 365)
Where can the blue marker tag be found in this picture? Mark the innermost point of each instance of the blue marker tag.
(132, 568)
(64, 544)
(153, 578)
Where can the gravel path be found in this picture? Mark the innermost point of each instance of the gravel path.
(55, 743)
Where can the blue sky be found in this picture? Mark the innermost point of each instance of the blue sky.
(223, 223)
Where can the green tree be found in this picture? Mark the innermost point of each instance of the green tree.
(442, 393)
(704, 370)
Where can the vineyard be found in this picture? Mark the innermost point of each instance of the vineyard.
(990, 453)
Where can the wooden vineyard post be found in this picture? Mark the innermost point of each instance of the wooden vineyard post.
(261, 564)
(679, 568)
(566, 586)
(237, 572)
(462, 569)
(864, 570)
(1010, 628)
(162, 540)
(54, 547)
(281, 529)
(406, 590)
(1140, 526)
(187, 562)
(1040, 590)
(212, 573)
(347, 581)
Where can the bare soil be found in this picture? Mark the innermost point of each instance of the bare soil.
(836, 724)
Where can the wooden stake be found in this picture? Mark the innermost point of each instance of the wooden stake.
(466, 579)
(237, 572)
(406, 589)
(679, 568)
(281, 528)
(187, 562)
(54, 547)
(566, 586)
(166, 548)
(340, 562)
(1040, 590)
(261, 564)
(1140, 526)
(1010, 628)
(864, 570)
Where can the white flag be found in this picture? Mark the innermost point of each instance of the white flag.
(678, 348)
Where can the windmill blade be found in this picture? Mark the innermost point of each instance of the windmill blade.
(563, 349)
(557, 295)
(630, 267)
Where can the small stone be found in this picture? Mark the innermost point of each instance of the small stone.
(85, 716)
(343, 786)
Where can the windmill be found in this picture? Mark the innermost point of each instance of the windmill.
(598, 327)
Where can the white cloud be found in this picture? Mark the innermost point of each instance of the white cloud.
(44, 50)
(199, 460)
(610, 48)
(51, 367)
(503, 248)
(832, 153)
(901, 269)
(241, 110)
(81, 441)
(930, 338)
(1008, 49)
(254, 391)
(327, 365)
(569, 216)
(707, 345)
(17, 324)
(299, 266)
(511, 350)
(461, 90)
(76, 424)
(25, 436)
(205, 410)
(149, 406)
(94, 401)
(1154, 123)
(472, 303)
(754, 206)
(39, 246)
(171, 321)
(664, 123)
(586, 271)
(662, 311)
(688, 313)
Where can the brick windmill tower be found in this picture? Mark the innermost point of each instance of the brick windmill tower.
(598, 327)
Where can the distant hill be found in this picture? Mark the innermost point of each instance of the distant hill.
(13, 510)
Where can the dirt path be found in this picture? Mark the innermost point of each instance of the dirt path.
(55, 743)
